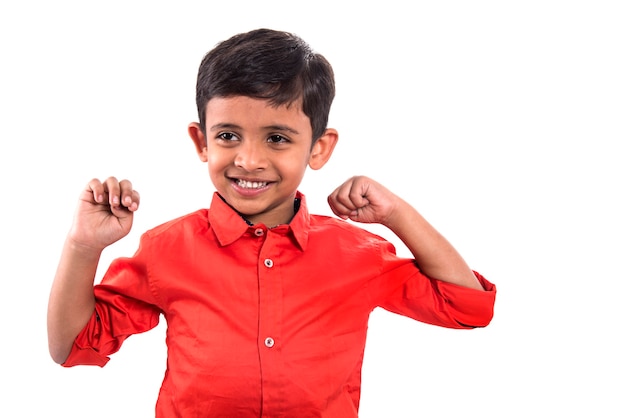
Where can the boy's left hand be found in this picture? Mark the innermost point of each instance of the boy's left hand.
(361, 199)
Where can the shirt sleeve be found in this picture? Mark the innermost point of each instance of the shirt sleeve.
(408, 292)
(125, 305)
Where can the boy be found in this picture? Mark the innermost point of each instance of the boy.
(266, 305)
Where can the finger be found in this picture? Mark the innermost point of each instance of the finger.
(352, 194)
(340, 204)
(337, 209)
(341, 195)
(129, 198)
(96, 189)
(113, 190)
(358, 192)
(134, 205)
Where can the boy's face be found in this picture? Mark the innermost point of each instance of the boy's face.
(257, 154)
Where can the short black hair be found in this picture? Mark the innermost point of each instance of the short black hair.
(268, 64)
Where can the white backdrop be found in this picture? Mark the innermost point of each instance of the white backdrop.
(502, 122)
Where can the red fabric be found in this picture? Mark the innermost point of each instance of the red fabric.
(209, 275)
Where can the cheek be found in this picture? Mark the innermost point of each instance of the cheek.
(216, 160)
(216, 166)
(296, 167)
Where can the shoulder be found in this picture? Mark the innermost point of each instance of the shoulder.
(343, 231)
(193, 221)
(170, 238)
(338, 225)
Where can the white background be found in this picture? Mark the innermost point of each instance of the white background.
(502, 122)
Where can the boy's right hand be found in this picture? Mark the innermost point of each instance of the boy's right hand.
(104, 213)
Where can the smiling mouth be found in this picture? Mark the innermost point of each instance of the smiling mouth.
(244, 184)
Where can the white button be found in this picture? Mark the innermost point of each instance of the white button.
(268, 263)
(269, 342)
(258, 232)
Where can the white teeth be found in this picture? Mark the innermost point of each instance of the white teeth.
(251, 184)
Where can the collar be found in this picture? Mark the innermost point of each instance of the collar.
(229, 225)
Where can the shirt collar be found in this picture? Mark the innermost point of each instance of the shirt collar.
(229, 225)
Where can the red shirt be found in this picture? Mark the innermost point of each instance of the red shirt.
(264, 322)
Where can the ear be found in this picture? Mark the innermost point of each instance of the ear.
(323, 149)
(199, 140)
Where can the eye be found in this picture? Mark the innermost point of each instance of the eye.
(227, 136)
(277, 139)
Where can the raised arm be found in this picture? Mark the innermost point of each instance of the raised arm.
(363, 200)
(103, 216)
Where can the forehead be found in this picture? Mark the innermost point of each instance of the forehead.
(249, 111)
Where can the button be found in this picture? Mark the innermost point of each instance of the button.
(269, 342)
(268, 263)
(258, 232)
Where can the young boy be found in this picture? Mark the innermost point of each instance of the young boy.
(266, 305)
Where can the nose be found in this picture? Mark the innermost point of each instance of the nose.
(251, 156)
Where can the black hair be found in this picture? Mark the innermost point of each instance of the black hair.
(268, 64)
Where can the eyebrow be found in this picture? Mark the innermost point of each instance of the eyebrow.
(280, 128)
(219, 126)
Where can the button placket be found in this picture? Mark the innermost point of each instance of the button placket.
(270, 313)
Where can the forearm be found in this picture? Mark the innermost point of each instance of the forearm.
(434, 255)
(71, 302)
